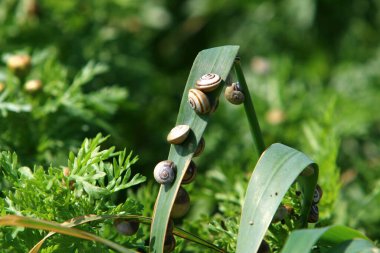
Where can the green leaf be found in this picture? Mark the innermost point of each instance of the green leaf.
(304, 240)
(216, 60)
(20, 221)
(275, 172)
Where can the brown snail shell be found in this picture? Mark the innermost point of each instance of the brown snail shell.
(317, 194)
(178, 134)
(164, 172)
(126, 227)
(198, 101)
(280, 214)
(313, 214)
(169, 243)
(234, 94)
(200, 147)
(208, 82)
(181, 204)
(190, 173)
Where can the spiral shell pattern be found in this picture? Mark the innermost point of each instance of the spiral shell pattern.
(199, 101)
(317, 194)
(164, 172)
(208, 82)
(314, 214)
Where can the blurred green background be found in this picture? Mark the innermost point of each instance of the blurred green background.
(120, 66)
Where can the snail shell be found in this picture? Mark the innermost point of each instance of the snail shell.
(313, 214)
(308, 171)
(169, 243)
(280, 214)
(234, 94)
(200, 148)
(190, 173)
(126, 227)
(199, 101)
(178, 134)
(208, 82)
(164, 172)
(317, 194)
(181, 204)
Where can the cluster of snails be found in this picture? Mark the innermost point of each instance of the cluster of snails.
(314, 211)
(200, 102)
(165, 173)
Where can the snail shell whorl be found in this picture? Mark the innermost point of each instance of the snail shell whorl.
(313, 214)
(164, 172)
(234, 94)
(199, 101)
(317, 194)
(200, 148)
(208, 82)
(190, 173)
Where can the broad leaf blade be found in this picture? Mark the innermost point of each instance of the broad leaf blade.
(277, 169)
(302, 241)
(216, 60)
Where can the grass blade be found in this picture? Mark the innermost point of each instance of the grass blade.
(276, 170)
(355, 246)
(216, 60)
(302, 241)
(20, 221)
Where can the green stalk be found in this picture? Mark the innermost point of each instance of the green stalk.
(250, 110)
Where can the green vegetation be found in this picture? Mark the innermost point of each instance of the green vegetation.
(120, 68)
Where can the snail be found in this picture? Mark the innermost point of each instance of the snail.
(200, 147)
(308, 171)
(280, 214)
(313, 214)
(264, 247)
(317, 194)
(208, 82)
(181, 204)
(199, 101)
(234, 94)
(190, 173)
(178, 134)
(169, 243)
(126, 227)
(164, 172)
(170, 227)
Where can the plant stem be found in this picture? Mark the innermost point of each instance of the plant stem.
(250, 110)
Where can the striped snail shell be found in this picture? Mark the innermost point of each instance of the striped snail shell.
(200, 148)
(178, 134)
(234, 94)
(181, 204)
(199, 101)
(208, 82)
(313, 214)
(164, 172)
(190, 173)
(317, 194)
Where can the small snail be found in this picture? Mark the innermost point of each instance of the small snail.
(264, 247)
(280, 214)
(178, 134)
(199, 101)
(234, 94)
(317, 194)
(126, 227)
(181, 204)
(308, 171)
(313, 214)
(164, 172)
(190, 173)
(200, 147)
(208, 82)
(169, 243)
